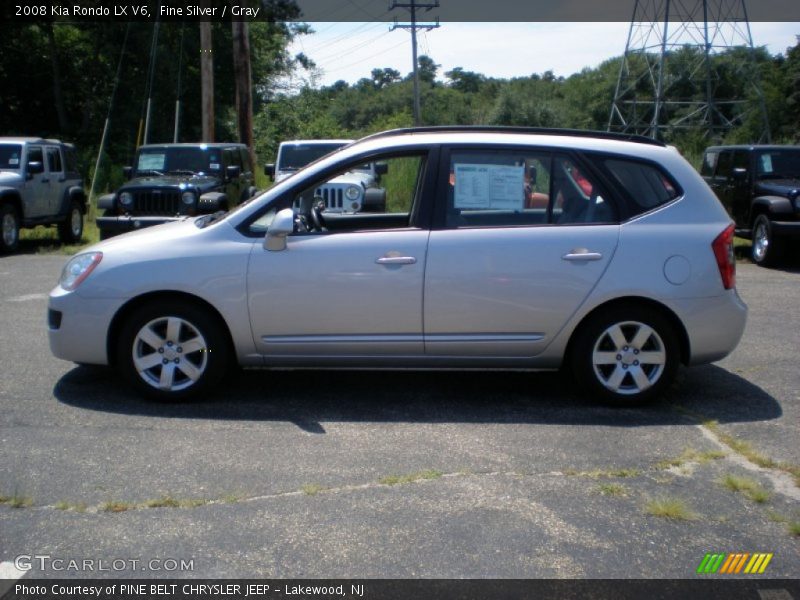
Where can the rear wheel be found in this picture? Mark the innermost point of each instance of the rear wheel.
(9, 228)
(766, 249)
(70, 230)
(172, 351)
(626, 355)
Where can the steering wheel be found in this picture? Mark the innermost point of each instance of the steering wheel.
(316, 214)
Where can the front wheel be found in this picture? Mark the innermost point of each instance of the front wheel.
(70, 230)
(9, 228)
(626, 355)
(766, 250)
(172, 351)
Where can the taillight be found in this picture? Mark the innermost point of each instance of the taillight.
(726, 260)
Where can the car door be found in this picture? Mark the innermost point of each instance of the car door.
(37, 185)
(525, 235)
(58, 181)
(354, 290)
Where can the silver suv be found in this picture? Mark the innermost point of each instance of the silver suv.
(499, 248)
(39, 185)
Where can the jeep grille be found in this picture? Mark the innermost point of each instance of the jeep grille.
(333, 196)
(162, 202)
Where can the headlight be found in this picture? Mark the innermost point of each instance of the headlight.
(352, 192)
(126, 198)
(188, 197)
(78, 269)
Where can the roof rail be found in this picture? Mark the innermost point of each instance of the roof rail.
(588, 133)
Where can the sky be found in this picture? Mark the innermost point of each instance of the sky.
(349, 51)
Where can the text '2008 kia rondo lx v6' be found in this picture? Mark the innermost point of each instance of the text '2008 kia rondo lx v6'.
(499, 248)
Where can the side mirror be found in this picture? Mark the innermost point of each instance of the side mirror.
(381, 168)
(739, 174)
(269, 171)
(233, 171)
(35, 166)
(127, 172)
(282, 225)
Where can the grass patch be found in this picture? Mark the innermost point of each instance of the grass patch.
(163, 502)
(602, 473)
(312, 489)
(612, 489)
(410, 478)
(19, 501)
(231, 498)
(117, 507)
(63, 505)
(192, 502)
(748, 486)
(691, 455)
(776, 517)
(47, 241)
(670, 508)
(794, 527)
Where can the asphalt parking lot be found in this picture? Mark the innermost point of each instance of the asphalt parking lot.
(296, 474)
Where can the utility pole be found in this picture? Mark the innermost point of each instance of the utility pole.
(412, 8)
(243, 84)
(206, 82)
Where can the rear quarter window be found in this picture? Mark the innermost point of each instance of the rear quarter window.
(645, 184)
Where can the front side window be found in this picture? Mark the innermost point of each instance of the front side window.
(521, 188)
(35, 154)
(54, 160)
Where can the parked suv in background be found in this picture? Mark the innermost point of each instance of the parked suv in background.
(355, 191)
(760, 188)
(621, 270)
(39, 185)
(172, 181)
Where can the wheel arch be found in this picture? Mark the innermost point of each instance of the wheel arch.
(118, 321)
(73, 193)
(637, 301)
(12, 197)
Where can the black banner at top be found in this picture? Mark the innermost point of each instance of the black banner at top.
(381, 10)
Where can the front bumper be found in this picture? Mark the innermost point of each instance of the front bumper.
(126, 223)
(786, 228)
(78, 327)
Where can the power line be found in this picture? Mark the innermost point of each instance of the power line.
(412, 8)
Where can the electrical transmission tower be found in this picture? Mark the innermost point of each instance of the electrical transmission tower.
(413, 6)
(670, 75)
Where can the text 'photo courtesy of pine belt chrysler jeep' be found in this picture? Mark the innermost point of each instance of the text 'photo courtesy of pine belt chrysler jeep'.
(170, 181)
(760, 188)
(358, 190)
(500, 248)
(39, 185)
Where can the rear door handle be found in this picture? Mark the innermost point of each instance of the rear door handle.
(396, 260)
(581, 254)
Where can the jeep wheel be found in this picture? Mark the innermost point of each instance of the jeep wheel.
(70, 230)
(172, 351)
(9, 224)
(766, 249)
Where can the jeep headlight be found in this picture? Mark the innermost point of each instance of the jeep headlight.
(352, 193)
(188, 198)
(126, 199)
(78, 268)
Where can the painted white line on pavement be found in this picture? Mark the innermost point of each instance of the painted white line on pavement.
(27, 297)
(9, 571)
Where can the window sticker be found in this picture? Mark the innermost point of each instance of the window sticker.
(214, 166)
(13, 161)
(494, 187)
(151, 162)
(766, 163)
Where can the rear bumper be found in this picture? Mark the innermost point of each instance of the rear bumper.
(714, 325)
(124, 223)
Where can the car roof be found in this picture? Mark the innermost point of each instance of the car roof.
(27, 140)
(195, 145)
(318, 142)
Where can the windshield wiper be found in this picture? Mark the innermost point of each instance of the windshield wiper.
(182, 172)
(153, 171)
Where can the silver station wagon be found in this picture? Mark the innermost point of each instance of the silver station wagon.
(500, 248)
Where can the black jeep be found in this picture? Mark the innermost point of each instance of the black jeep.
(760, 188)
(171, 181)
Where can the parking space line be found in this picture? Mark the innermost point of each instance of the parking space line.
(8, 570)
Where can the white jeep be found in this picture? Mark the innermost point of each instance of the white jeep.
(351, 192)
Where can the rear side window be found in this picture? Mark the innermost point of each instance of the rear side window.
(709, 163)
(646, 185)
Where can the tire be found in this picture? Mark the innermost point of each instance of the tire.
(626, 356)
(9, 228)
(70, 231)
(766, 250)
(152, 351)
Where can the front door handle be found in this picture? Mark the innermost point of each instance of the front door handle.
(396, 260)
(581, 254)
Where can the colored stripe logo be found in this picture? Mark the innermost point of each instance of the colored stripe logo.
(735, 563)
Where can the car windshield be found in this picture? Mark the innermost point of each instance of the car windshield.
(9, 156)
(296, 156)
(180, 160)
(779, 164)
